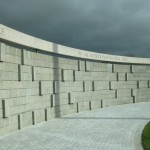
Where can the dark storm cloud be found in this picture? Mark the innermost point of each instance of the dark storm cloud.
(108, 26)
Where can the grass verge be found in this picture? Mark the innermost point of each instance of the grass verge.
(146, 137)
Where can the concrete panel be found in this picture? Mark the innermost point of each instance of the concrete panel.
(104, 76)
(126, 100)
(77, 86)
(71, 98)
(123, 84)
(103, 94)
(124, 93)
(26, 119)
(81, 65)
(45, 87)
(101, 67)
(140, 68)
(61, 98)
(83, 106)
(95, 104)
(142, 84)
(87, 66)
(121, 76)
(138, 76)
(52, 100)
(63, 87)
(111, 102)
(87, 86)
(121, 68)
(40, 115)
(82, 75)
(141, 92)
(101, 85)
(67, 75)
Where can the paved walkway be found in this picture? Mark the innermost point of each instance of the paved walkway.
(113, 128)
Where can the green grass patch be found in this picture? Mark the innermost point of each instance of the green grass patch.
(146, 137)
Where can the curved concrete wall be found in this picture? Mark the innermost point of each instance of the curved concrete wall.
(40, 80)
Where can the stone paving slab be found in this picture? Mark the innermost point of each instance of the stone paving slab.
(112, 128)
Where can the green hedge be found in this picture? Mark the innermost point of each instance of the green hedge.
(146, 137)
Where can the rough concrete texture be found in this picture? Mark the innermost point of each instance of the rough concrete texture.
(111, 128)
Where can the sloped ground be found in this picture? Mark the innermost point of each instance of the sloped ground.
(113, 128)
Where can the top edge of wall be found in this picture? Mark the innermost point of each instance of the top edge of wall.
(14, 36)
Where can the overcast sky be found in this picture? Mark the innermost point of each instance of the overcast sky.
(119, 27)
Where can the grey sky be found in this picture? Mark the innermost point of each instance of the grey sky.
(119, 27)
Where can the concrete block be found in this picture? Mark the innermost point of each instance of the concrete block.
(45, 87)
(87, 66)
(87, 86)
(103, 94)
(17, 101)
(6, 109)
(82, 75)
(67, 75)
(63, 87)
(24, 73)
(4, 130)
(2, 51)
(106, 103)
(83, 106)
(125, 100)
(4, 122)
(95, 104)
(52, 100)
(8, 67)
(26, 119)
(81, 65)
(48, 113)
(140, 68)
(101, 67)
(40, 115)
(138, 76)
(123, 84)
(111, 102)
(61, 98)
(121, 77)
(124, 93)
(134, 99)
(101, 85)
(56, 87)
(121, 68)
(103, 76)
(143, 84)
(71, 98)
